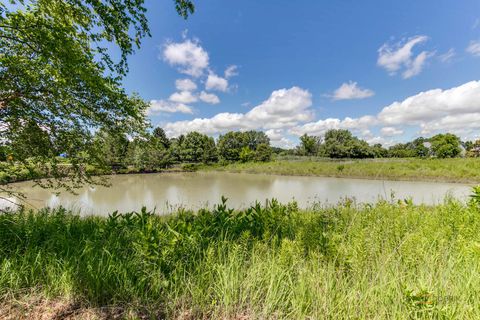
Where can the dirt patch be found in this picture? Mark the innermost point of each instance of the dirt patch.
(36, 308)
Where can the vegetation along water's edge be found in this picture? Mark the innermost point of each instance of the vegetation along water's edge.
(457, 170)
(386, 260)
(466, 170)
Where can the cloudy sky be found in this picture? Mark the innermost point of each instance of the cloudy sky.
(389, 71)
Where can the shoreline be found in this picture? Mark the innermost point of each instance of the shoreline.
(352, 169)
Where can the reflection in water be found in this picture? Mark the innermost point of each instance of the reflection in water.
(167, 191)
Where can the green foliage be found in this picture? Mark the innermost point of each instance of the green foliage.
(244, 146)
(230, 145)
(197, 147)
(342, 144)
(113, 147)
(384, 260)
(465, 170)
(445, 145)
(246, 154)
(57, 77)
(159, 133)
(379, 151)
(263, 153)
(148, 154)
(475, 197)
(309, 145)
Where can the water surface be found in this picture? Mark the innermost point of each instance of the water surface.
(168, 191)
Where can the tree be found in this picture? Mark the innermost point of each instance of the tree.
(263, 153)
(176, 146)
(445, 145)
(235, 146)
(379, 151)
(230, 145)
(198, 147)
(253, 139)
(421, 147)
(113, 147)
(56, 72)
(309, 145)
(246, 154)
(342, 144)
(159, 133)
(148, 154)
(402, 150)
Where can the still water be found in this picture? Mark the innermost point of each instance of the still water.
(168, 191)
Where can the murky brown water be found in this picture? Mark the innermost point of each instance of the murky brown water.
(167, 191)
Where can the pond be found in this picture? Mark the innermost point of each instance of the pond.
(168, 191)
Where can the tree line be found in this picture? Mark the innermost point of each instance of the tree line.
(155, 150)
(340, 143)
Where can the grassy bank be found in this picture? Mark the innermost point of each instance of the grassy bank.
(448, 170)
(389, 260)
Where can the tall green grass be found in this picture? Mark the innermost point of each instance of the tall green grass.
(387, 260)
(450, 170)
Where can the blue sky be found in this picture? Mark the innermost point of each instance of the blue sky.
(307, 66)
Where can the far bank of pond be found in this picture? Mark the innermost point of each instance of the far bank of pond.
(458, 170)
(166, 192)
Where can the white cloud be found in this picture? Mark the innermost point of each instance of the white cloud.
(474, 48)
(183, 97)
(358, 125)
(350, 90)
(215, 82)
(391, 131)
(275, 134)
(231, 71)
(188, 55)
(415, 67)
(162, 106)
(287, 113)
(185, 85)
(434, 104)
(447, 56)
(400, 56)
(284, 108)
(209, 97)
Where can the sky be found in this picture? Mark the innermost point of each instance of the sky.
(389, 71)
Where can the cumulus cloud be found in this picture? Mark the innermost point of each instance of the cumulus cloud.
(231, 71)
(391, 131)
(188, 56)
(434, 104)
(215, 82)
(474, 48)
(162, 106)
(397, 57)
(209, 97)
(318, 128)
(284, 108)
(183, 97)
(350, 90)
(456, 110)
(185, 85)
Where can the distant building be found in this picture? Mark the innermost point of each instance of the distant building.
(475, 152)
